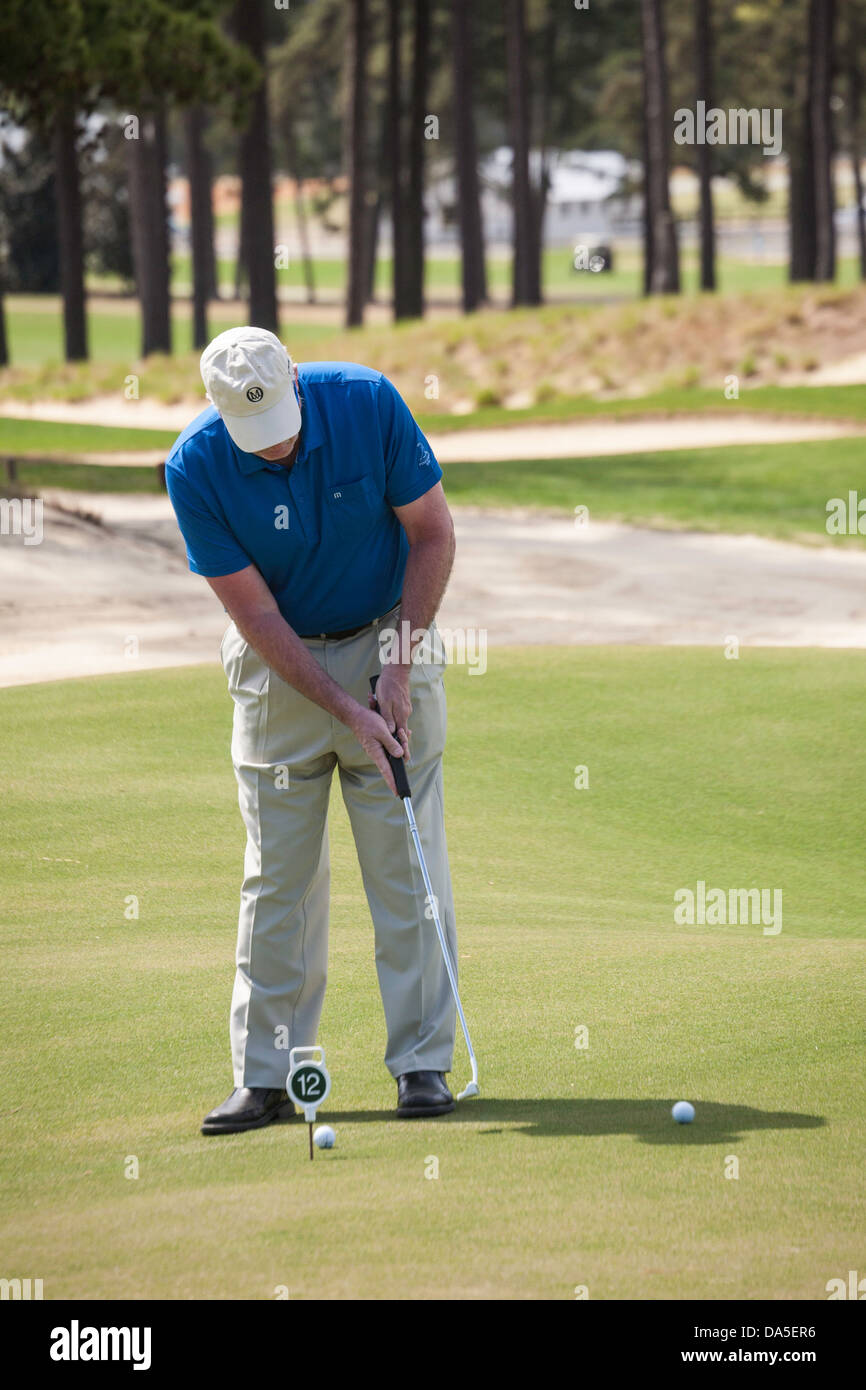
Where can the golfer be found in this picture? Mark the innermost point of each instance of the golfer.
(311, 502)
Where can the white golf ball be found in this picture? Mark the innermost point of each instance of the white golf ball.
(324, 1137)
(683, 1112)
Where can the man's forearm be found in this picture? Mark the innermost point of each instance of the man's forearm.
(427, 571)
(280, 648)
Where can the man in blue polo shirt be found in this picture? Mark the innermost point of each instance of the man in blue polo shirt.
(312, 504)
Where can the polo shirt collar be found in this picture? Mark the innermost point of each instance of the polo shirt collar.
(312, 436)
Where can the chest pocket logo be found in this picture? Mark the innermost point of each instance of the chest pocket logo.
(353, 508)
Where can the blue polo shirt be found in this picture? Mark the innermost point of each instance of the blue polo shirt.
(322, 533)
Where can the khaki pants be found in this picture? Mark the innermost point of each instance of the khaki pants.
(284, 751)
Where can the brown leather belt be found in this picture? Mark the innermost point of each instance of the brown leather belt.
(337, 636)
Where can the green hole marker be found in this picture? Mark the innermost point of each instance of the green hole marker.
(308, 1083)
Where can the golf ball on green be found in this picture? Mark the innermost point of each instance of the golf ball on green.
(683, 1112)
(324, 1137)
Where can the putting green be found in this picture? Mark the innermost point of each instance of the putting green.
(568, 1171)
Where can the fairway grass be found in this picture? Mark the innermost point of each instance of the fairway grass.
(568, 1170)
(776, 490)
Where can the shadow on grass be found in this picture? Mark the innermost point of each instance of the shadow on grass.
(649, 1121)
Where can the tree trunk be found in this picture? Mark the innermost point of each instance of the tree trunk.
(855, 93)
(254, 159)
(518, 114)
(159, 221)
(802, 214)
(371, 242)
(211, 272)
(648, 248)
(4, 345)
(861, 216)
(821, 27)
(70, 235)
(300, 211)
(417, 147)
(704, 73)
(149, 225)
(393, 154)
(357, 66)
(664, 273)
(801, 182)
(474, 274)
(546, 85)
(212, 279)
(241, 276)
(539, 210)
(201, 222)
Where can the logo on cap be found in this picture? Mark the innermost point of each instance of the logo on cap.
(255, 394)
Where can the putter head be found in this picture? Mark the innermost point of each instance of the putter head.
(471, 1090)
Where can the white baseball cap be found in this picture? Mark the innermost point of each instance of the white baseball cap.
(247, 376)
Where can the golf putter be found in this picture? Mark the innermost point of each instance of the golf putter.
(401, 781)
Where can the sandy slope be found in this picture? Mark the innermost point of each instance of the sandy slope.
(118, 596)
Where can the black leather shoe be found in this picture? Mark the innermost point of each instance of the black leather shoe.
(421, 1093)
(248, 1107)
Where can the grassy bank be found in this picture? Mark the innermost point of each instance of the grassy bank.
(494, 358)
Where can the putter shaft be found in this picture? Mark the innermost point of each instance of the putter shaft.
(446, 954)
(401, 782)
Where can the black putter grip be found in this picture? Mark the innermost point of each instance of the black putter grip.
(398, 765)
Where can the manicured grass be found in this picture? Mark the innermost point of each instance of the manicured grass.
(442, 274)
(36, 333)
(55, 436)
(778, 490)
(735, 277)
(568, 1170)
(18, 438)
(85, 477)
